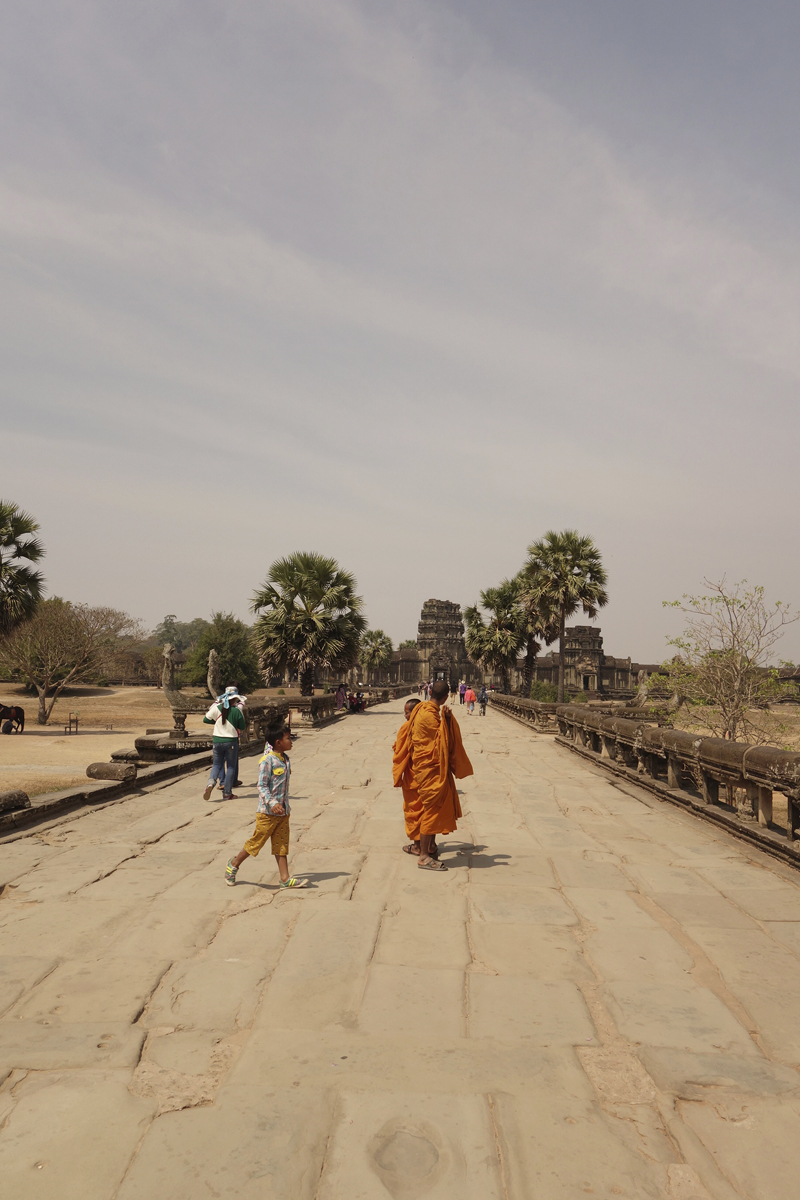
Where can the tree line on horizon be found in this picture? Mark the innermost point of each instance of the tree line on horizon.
(308, 616)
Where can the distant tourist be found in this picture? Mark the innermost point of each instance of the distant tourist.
(272, 816)
(341, 696)
(228, 721)
(462, 687)
(483, 699)
(469, 700)
(453, 691)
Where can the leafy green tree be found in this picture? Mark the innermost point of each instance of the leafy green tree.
(20, 584)
(376, 651)
(310, 618)
(564, 572)
(408, 644)
(495, 643)
(64, 643)
(233, 642)
(183, 635)
(722, 663)
(546, 693)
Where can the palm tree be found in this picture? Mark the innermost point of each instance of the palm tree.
(495, 644)
(564, 573)
(20, 586)
(310, 617)
(376, 651)
(539, 624)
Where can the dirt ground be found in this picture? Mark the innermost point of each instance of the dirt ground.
(45, 759)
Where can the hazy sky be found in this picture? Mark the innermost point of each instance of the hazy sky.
(408, 284)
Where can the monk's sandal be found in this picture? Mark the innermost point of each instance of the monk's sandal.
(230, 873)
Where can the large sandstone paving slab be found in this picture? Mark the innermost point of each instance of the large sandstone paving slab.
(695, 910)
(707, 1077)
(92, 990)
(638, 955)
(600, 905)
(497, 903)
(785, 932)
(162, 928)
(577, 871)
(683, 1016)
(334, 827)
(376, 879)
(517, 870)
(412, 1144)
(209, 994)
(35, 1046)
(755, 1142)
(439, 943)
(558, 1144)
(18, 974)
(765, 978)
(75, 927)
(320, 977)
(662, 877)
(518, 1008)
(541, 951)
(71, 871)
(254, 1143)
(19, 857)
(426, 1005)
(331, 874)
(732, 875)
(769, 904)
(71, 1136)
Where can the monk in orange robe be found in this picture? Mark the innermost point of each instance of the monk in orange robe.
(403, 777)
(437, 755)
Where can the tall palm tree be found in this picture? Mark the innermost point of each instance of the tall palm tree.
(494, 644)
(20, 585)
(539, 624)
(564, 572)
(310, 617)
(376, 651)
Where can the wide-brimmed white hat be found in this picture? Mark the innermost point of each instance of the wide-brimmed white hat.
(228, 695)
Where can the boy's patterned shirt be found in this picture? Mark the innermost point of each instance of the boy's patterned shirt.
(273, 782)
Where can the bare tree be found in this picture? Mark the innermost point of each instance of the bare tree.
(722, 667)
(64, 644)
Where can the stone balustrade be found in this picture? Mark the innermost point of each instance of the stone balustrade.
(704, 771)
(530, 712)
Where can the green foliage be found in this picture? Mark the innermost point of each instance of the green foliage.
(495, 643)
(564, 572)
(408, 644)
(20, 585)
(546, 693)
(310, 617)
(233, 642)
(375, 652)
(721, 668)
(183, 635)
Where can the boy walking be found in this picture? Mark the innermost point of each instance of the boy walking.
(272, 817)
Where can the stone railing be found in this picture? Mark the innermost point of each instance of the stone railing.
(313, 710)
(530, 712)
(703, 772)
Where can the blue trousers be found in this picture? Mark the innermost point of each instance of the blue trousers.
(226, 761)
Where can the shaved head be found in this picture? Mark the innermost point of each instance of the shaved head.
(440, 691)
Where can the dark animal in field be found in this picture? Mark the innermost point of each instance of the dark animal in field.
(12, 718)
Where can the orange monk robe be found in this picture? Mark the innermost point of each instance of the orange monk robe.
(404, 777)
(437, 754)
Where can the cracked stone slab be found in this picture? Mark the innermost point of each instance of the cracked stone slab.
(546, 1012)
(253, 1143)
(542, 951)
(28, 1045)
(701, 1076)
(686, 1017)
(18, 974)
(71, 1136)
(113, 990)
(410, 1002)
(543, 906)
